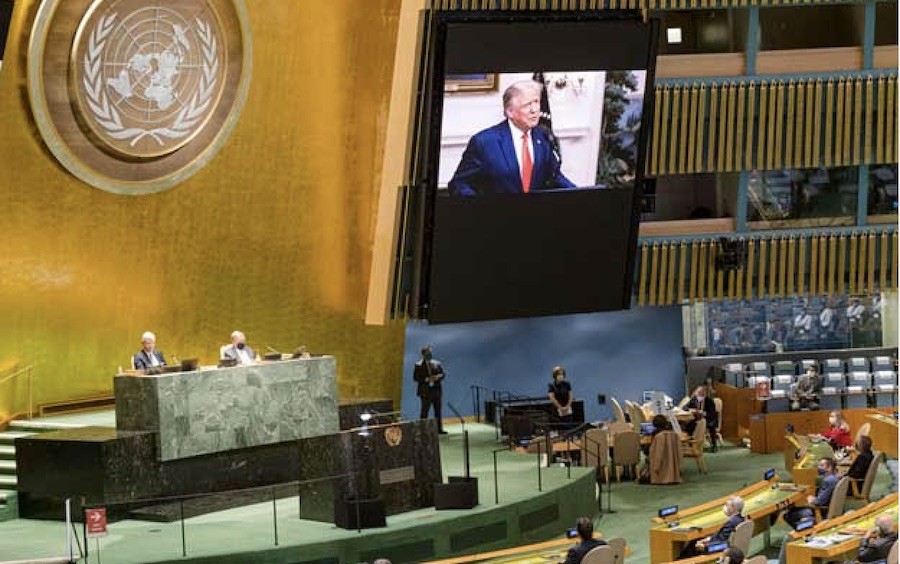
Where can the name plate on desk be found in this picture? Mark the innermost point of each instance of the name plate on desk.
(219, 410)
(394, 475)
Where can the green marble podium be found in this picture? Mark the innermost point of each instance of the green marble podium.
(220, 409)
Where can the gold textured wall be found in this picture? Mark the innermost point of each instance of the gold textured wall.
(272, 237)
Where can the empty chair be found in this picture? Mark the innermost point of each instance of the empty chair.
(637, 415)
(882, 363)
(626, 451)
(754, 381)
(603, 554)
(618, 545)
(734, 374)
(833, 365)
(858, 385)
(758, 369)
(784, 367)
(858, 364)
(838, 499)
(834, 384)
(779, 392)
(617, 411)
(741, 536)
(595, 451)
(884, 388)
(693, 448)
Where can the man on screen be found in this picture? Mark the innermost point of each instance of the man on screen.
(514, 156)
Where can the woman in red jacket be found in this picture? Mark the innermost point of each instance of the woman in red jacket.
(838, 432)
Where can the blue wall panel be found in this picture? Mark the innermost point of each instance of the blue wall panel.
(619, 354)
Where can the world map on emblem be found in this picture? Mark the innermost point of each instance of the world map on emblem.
(148, 74)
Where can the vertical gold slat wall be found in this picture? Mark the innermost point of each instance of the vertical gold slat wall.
(800, 123)
(780, 265)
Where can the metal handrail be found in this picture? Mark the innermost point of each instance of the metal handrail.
(27, 370)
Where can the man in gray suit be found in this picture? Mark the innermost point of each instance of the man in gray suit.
(238, 350)
(148, 357)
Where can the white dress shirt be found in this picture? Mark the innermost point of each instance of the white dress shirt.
(517, 143)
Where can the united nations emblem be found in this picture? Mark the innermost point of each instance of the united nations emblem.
(152, 87)
(393, 436)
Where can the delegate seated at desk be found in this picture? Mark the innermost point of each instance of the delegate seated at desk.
(877, 543)
(733, 509)
(827, 469)
(148, 357)
(238, 350)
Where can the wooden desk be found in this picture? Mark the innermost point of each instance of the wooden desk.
(702, 559)
(801, 551)
(537, 553)
(760, 501)
(883, 433)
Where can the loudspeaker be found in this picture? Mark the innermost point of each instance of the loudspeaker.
(371, 513)
(459, 493)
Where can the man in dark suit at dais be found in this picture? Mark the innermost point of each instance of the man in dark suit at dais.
(513, 157)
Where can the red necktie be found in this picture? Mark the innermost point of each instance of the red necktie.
(527, 165)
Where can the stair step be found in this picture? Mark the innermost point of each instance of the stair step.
(37, 425)
(9, 437)
(8, 466)
(8, 481)
(7, 452)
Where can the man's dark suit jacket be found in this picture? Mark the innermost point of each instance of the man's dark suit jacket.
(232, 352)
(142, 359)
(708, 407)
(489, 164)
(873, 550)
(730, 525)
(577, 552)
(422, 370)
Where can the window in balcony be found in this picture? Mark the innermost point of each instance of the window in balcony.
(886, 23)
(694, 196)
(811, 28)
(685, 32)
(883, 191)
(802, 197)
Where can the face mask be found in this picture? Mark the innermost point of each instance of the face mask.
(821, 471)
(701, 398)
(427, 356)
(240, 346)
(832, 420)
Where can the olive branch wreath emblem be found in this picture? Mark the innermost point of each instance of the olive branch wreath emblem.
(109, 118)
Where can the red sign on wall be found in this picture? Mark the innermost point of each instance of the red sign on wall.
(96, 522)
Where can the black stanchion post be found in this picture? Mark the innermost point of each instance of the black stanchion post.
(569, 458)
(612, 465)
(275, 515)
(299, 503)
(540, 489)
(496, 481)
(83, 529)
(183, 541)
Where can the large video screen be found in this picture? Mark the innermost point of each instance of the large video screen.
(533, 156)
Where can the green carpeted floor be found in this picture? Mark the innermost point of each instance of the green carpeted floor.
(251, 528)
